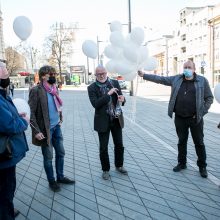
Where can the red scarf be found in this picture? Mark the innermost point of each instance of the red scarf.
(53, 91)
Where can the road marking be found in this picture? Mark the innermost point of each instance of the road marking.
(211, 177)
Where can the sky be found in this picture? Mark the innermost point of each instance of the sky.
(157, 17)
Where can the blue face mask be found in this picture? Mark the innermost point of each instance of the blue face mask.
(187, 73)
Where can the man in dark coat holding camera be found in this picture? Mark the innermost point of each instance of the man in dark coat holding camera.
(105, 96)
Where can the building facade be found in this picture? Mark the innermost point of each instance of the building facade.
(197, 37)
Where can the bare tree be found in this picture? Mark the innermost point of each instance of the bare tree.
(59, 45)
(15, 61)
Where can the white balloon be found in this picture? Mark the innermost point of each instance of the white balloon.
(110, 66)
(117, 39)
(150, 64)
(115, 26)
(137, 35)
(90, 49)
(22, 27)
(22, 106)
(217, 92)
(123, 67)
(111, 52)
(130, 76)
(130, 52)
(142, 54)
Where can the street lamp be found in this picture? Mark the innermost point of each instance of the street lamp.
(167, 37)
(129, 31)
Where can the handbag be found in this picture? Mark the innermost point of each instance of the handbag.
(5, 148)
(117, 110)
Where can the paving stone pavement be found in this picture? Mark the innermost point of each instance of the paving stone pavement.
(150, 191)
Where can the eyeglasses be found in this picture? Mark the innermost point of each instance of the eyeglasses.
(101, 74)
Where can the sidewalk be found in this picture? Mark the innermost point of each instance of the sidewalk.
(150, 191)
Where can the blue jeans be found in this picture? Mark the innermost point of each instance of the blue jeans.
(56, 142)
(7, 190)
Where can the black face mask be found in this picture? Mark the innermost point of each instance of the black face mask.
(51, 80)
(4, 83)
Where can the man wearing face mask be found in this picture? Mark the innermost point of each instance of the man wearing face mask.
(190, 99)
(46, 119)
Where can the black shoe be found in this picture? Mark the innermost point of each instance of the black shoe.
(203, 172)
(179, 167)
(66, 180)
(16, 213)
(54, 186)
(122, 170)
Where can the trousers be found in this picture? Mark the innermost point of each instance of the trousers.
(116, 132)
(7, 190)
(56, 142)
(183, 125)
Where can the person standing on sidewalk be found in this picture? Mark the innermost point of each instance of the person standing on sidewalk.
(12, 126)
(104, 95)
(11, 88)
(46, 119)
(190, 99)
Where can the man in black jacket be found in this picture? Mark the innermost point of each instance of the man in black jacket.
(105, 96)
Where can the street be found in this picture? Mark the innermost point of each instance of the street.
(150, 191)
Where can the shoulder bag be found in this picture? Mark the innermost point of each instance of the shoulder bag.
(5, 148)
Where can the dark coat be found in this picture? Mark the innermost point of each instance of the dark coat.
(11, 124)
(39, 118)
(100, 103)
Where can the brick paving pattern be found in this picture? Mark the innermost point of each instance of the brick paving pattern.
(150, 191)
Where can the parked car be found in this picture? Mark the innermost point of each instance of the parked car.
(122, 84)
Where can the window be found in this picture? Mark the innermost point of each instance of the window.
(183, 37)
(183, 49)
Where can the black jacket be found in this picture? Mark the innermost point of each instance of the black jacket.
(100, 103)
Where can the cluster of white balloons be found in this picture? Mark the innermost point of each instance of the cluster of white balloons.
(126, 54)
(22, 27)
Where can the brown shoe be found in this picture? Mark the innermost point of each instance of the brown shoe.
(16, 213)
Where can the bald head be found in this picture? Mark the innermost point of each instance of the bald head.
(101, 73)
(189, 65)
(99, 69)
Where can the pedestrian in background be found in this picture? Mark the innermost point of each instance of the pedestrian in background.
(105, 95)
(11, 88)
(46, 118)
(12, 126)
(190, 99)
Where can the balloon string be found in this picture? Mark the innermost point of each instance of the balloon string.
(34, 127)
